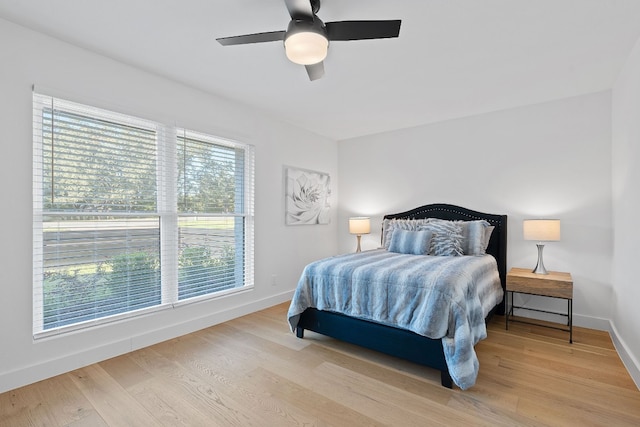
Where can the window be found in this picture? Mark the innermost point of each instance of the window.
(131, 215)
(211, 223)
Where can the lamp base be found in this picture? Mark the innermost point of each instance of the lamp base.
(540, 265)
(358, 248)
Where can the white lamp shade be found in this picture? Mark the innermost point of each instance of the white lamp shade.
(541, 230)
(306, 47)
(359, 225)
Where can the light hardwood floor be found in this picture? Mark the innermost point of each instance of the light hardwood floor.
(253, 372)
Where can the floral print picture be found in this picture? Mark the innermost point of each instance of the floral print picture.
(307, 197)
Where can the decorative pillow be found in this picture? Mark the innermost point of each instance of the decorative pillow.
(469, 238)
(388, 225)
(487, 236)
(446, 239)
(473, 237)
(410, 242)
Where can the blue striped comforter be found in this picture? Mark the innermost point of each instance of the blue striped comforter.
(438, 297)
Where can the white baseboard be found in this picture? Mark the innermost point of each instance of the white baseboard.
(580, 320)
(596, 323)
(51, 368)
(628, 359)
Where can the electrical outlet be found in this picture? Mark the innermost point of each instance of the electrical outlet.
(274, 280)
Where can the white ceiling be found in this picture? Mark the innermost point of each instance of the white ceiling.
(453, 58)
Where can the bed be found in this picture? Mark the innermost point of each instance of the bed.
(402, 339)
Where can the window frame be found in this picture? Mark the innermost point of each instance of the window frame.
(166, 210)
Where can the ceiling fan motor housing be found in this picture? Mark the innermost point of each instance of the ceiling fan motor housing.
(306, 41)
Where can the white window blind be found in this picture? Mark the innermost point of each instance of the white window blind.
(214, 222)
(109, 237)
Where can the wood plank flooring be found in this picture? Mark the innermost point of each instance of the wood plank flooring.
(253, 372)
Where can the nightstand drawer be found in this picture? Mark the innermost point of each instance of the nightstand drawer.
(555, 284)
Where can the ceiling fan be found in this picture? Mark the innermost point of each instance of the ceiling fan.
(306, 39)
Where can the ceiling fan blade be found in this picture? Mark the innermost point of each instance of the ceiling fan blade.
(315, 71)
(361, 30)
(300, 9)
(272, 36)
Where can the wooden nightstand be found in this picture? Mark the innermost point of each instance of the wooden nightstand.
(555, 285)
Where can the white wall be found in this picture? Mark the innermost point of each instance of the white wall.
(28, 58)
(626, 206)
(546, 160)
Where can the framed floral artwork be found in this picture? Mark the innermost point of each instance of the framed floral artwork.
(307, 197)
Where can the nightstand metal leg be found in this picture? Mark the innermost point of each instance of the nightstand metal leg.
(508, 311)
(570, 311)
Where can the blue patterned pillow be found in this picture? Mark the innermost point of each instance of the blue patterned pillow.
(474, 237)
(446, 239)
(389, 225)
(410, 242)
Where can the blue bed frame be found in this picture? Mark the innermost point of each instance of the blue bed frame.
(399, 342)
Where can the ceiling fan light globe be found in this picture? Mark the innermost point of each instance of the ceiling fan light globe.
(306, 47)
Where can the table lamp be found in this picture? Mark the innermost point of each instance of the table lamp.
(359, 225)
(541, 230)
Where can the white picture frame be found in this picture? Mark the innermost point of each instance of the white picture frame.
(307, 197)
